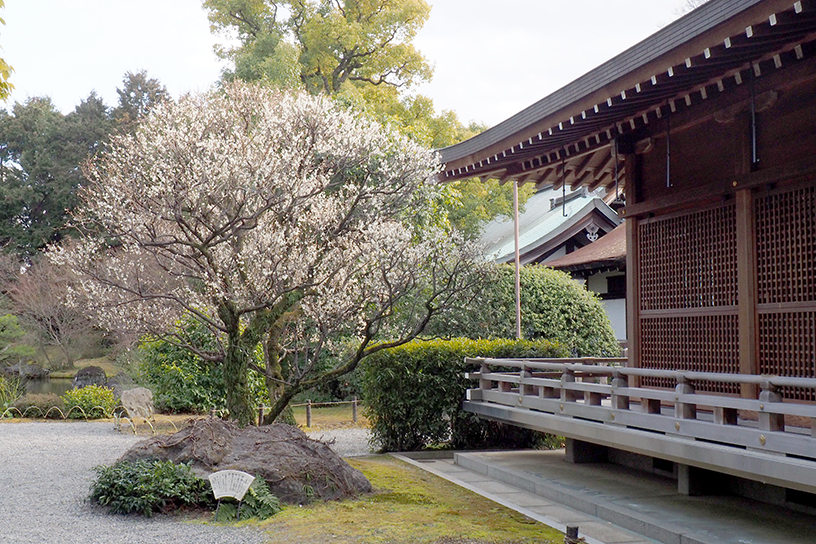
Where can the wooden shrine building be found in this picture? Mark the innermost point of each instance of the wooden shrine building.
(709, 129)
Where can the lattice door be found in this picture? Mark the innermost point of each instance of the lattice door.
(688, 312)
(786, 278)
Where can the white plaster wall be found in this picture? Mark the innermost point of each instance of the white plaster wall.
(616, 310)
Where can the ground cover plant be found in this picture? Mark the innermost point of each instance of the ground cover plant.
(408, 506)
(148, 486)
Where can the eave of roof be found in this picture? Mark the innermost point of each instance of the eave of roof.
(608, 250)
(566, 137)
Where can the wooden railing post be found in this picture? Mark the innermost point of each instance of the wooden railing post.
(683, 410)
(619, 402)
(768, 421)
(308, 413)
(483, 370)
(260, 415)
(354, 409)
(567, 376)
(725, 416)
(526, 389)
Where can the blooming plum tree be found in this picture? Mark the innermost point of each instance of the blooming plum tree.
(278, 220)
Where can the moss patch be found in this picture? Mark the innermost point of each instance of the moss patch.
(409, 506)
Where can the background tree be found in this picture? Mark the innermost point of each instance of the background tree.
(38, 298)
(5, 69)
(336, 42)
(38, 175)
(360, 52)
(11, 351)
(139, 94)
(41, 157)
(275, 219)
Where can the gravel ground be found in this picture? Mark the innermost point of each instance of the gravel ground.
(45, 476)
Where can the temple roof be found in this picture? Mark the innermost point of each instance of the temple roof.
(547, 224)
(568, 136)
(608, 251)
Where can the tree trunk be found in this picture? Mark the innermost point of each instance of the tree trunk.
(235, 381)
(276, 385)
(236, 368)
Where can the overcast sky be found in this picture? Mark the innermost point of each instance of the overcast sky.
(492, 58)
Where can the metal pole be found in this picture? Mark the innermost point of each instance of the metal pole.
(517, 258)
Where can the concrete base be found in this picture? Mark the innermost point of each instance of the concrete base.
(646, 504)
(697, 482)
(578, 452)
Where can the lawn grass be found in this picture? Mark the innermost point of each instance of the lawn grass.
(334, 416)
(110, 367)
(409, 506)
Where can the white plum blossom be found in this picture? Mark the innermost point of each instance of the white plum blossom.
(274, 218)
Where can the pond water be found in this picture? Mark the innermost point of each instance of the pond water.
(58, 386)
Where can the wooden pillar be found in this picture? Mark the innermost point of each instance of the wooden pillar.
(747, 290)
(632, 268)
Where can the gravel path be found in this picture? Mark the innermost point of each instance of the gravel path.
(45, 476)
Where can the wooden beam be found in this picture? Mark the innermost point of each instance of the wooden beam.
(633, 274)
(799, 169)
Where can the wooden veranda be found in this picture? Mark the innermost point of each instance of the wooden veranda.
(709, 129)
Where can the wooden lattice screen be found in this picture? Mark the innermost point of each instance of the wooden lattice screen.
(786, 284)
(688, 307)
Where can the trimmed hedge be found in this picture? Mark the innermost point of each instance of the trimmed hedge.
(414, 393)
(553, 306)
(89, 402)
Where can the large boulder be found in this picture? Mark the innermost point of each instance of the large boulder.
(27, 370)
(297, 468)
(138, 402)
(90, 375)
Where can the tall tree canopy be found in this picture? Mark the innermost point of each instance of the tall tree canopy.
(41, 157)
(276, 219)
(139, 94)
(328, 43)
(361, 53)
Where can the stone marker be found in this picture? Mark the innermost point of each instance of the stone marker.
(138, 402)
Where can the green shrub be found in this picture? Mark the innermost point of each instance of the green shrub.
(91, 402)
(553, 306)
(11, 389)
(45, 405)
(413, 394)
(259, 503)
(183, 382)
(148, 486)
